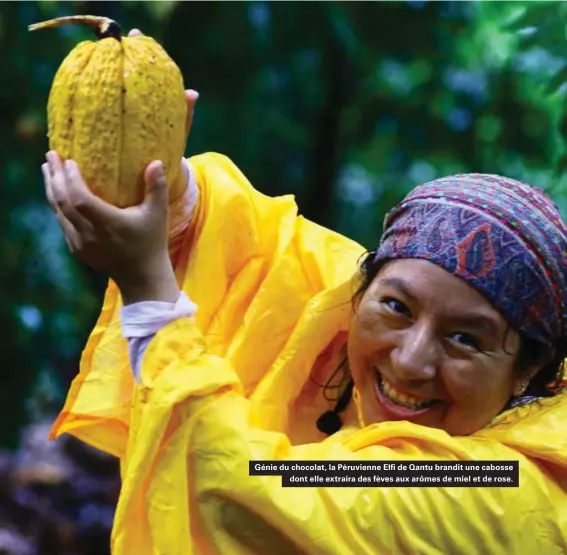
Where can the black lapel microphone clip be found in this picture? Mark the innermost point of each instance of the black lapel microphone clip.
(330, 422)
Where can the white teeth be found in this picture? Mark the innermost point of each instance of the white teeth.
(400, 398)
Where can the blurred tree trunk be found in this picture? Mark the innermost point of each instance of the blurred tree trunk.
(316, 202)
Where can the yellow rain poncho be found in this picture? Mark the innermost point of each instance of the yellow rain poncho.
(239, 382)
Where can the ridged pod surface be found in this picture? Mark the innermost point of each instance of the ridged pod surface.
(115, 105)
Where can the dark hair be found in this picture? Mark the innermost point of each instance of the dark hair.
(530, 353)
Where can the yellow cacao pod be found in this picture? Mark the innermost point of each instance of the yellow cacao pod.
(115, 105)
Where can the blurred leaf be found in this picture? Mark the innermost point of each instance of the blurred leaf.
(161, 10)
(561, 166)
(532, 14)
(556, 83)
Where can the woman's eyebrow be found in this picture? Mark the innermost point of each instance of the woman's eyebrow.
(399, 285)
(479, 322)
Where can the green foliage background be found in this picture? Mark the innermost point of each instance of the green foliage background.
(347, 105)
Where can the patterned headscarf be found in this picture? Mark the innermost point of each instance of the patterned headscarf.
(503, 237)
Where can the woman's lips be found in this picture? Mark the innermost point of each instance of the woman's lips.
(395, 411)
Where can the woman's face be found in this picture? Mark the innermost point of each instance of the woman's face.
(426, 347)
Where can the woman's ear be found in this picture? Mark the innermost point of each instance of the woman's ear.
(522, 382)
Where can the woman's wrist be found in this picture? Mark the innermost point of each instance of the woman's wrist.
(156, 283)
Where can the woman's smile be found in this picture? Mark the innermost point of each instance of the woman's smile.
(389, 394)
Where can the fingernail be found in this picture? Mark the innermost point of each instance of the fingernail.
(160, 175)
(193, 93)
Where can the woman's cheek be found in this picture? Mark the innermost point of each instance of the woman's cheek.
(473, 383)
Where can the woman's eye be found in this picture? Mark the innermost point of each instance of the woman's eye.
(396, 306)
(465, 339)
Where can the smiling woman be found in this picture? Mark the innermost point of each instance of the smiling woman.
(451, 349)
(463, 305)
(429, 349)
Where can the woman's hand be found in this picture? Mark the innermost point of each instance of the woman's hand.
(128, 245)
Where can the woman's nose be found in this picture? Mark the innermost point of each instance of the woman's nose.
(415, 356)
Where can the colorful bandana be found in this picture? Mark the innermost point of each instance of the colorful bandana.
(503, 237)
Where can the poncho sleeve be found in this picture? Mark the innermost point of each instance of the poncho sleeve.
(187, 489)
(253, 267)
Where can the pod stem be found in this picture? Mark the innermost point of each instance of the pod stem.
(103, 26)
